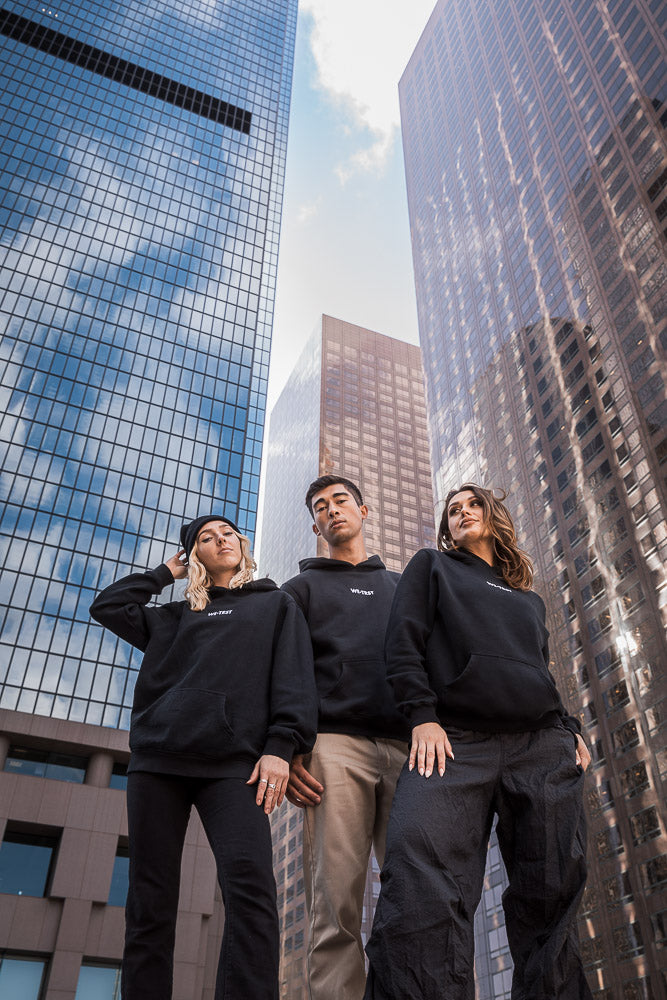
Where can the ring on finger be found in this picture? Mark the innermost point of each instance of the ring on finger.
(264, 781)
(271, 786)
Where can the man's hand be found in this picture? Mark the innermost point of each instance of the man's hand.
(429, 744)
(583, 756)
(176, 565)
(302, 788)
(271, 774)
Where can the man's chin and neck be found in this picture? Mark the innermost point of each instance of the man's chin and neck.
(352, 550)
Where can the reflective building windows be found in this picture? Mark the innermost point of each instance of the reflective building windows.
(535, 147)
(142, 153)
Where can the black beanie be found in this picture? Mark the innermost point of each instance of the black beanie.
(190, 531)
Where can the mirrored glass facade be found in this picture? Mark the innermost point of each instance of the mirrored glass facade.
(536, 161)
(142, 155)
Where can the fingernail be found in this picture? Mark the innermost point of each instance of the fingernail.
(411, 767)
(441, 771)
(421, 771)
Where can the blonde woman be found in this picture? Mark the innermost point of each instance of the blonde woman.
(468, 659)
(224, 697)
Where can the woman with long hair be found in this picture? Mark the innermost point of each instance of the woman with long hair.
(468, 658)
(224, 697)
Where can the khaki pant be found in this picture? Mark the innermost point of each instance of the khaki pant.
(359, 776)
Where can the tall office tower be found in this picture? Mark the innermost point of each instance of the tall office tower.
(143, 156)
(353, 405)
(535, 151)
(143, 150)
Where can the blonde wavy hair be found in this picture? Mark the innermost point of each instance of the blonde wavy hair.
(515, 564)
(199, 582)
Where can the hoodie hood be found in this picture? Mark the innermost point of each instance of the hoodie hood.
(254, 586)
(340, 566)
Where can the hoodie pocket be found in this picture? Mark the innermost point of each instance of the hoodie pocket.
(185, 720)
(502, 690)
(361, 690)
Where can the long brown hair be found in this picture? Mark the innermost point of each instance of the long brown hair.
(197, 589)
(515, 565)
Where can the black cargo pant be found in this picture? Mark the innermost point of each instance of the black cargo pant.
(238, 831)
(422, 944)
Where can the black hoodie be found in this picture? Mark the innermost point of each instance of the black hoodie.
(346, 608)
(217, 688)
(464, 649)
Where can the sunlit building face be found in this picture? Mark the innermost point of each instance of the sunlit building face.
(353, 405)
(535, 147)
(143, 153)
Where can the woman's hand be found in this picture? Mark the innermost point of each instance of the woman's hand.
(583, 756)
(429, 743)
(271, 774)
(176, 565)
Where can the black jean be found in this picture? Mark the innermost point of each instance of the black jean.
(240, 838)
(422, 944)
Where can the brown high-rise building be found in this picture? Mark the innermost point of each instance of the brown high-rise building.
(353, 405)
(536, 161)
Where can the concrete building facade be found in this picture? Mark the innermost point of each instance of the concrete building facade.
(63, 868)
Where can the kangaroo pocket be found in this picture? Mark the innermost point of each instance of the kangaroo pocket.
(184, 720)
(501, 690)
(361, 691)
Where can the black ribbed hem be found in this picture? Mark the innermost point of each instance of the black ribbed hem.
(370, 732)
(280, 746)
(190, 767)
(474, 724)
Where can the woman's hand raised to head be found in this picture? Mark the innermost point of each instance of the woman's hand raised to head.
(271, 775)
(429, 746)
(176, 565)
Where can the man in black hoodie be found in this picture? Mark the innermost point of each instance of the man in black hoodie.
(347, 784)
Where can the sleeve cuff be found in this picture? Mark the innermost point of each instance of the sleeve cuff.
(572, 724)
(425, 713)
(163, 576)
(280, 746)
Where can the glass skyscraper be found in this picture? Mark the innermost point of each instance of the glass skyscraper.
(143, 150)
(536, 162)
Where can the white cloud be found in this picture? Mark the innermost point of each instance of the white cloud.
(361, 48)
(308, 211)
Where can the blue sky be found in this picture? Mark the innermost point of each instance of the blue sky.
(345, 243)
